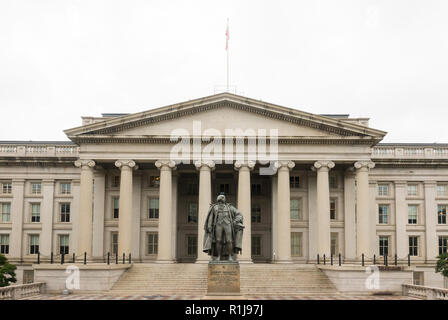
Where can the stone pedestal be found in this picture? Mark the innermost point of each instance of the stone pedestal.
(223, 280)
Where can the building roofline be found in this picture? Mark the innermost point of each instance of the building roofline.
(404, 144)
(36, 142)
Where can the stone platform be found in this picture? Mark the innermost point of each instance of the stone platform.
(223, 281)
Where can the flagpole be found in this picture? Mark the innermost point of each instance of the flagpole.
(227, 47)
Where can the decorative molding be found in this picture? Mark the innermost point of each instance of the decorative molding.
(83, 163)
(207, 163)
(126, 163)
(293, 116)
(247, 164)
(91, 139)
(165, 164)
(364, 164)
(284, 164)
(324, 164)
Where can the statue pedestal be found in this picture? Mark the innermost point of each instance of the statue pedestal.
(223, 280)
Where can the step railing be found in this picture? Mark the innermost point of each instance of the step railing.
(423, 292)
(19, 291)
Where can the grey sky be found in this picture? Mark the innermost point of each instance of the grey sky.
(386, 60)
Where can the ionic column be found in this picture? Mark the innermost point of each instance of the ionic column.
(364, 227)
(323, 207)
(244, 206)
(283, 212)
(349, 214)
(205, 198)
(165, 252)
(85, 207)
(125, 230)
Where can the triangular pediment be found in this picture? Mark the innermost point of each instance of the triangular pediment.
(223, 112)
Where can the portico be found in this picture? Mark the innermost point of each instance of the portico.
(163, 168)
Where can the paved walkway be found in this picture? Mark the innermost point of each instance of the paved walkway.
(304, 297)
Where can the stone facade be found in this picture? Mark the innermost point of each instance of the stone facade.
(114, 188)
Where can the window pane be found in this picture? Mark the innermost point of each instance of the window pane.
(295, 209)
(6, 212)
(296, 244)
(412, 190)
(412, 214)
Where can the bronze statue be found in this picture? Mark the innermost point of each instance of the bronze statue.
(223, 231)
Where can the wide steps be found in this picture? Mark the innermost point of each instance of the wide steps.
(191, 279)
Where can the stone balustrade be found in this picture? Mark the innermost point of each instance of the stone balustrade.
(409, 152)
(423, 292)
(39, 150)
(19, 291)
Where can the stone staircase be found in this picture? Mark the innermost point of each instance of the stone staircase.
(283, 280)
(191, 279)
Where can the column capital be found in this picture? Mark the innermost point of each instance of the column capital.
(323, 164)
(244, 164)
(126, 163)
(284, 164)
(81, 163)
(165, 164)
(204, 163)
(364, 164)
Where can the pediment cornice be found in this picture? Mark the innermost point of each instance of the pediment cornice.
(114, 126)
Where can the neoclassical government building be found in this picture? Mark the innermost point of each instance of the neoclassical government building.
(142, 183)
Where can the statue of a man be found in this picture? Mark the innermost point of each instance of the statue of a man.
(223, 230)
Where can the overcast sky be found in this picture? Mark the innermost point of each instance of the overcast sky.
(63, 59)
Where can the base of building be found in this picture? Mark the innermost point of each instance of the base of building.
(224, 296)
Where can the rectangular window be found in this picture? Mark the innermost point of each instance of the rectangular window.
(443, 244)
(294, 182)
(418, 278)
(296, 244)
(4, 243)
(441, 214)
(334, 243)
(333, 182)
(412, 214)
(35, 212)
(154, 181)
(413, 246)
(332, 209)
(256, 189)
(63, 244)
(442, 190)
(6, 187)
(116, 203)
(193, 212)
(256, 246)
(384, 245)
(154, 208)
(34, 243)
(383, 214)
(256, 213)
(6, 211)
(412, 189)
(65, 212)
(192, 245)
(116, 182)
(295, 209)
(36, 188)
(114, 245)
(66, 188)
(383, 189)
(224, 188)
(153, 243)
